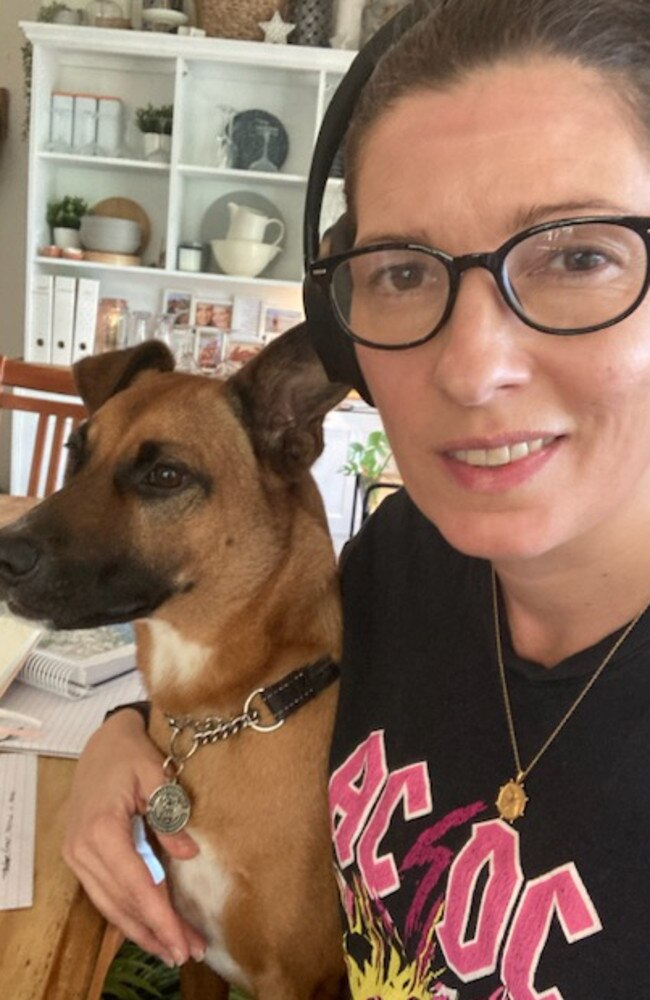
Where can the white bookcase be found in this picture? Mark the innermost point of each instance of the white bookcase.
(196, 75)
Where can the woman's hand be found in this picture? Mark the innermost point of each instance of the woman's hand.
(116, 773)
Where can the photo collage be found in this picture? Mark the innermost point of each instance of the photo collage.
(222, 332)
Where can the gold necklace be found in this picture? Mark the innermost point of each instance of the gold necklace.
(511, 800)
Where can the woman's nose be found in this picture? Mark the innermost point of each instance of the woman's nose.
(481, 350)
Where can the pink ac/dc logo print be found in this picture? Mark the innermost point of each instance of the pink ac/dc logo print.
(510, 916)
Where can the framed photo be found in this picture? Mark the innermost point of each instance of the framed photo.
(210, 348)
(242, 349)
(178, 303)
(275, 321)
(214, 313)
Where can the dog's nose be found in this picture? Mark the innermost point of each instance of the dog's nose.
(18, 557)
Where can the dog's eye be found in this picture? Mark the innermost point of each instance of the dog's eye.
(165, 477)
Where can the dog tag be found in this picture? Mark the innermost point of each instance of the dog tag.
(168, 808)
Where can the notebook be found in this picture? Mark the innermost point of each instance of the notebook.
(17, 639)
(74, 662)
(65, 724)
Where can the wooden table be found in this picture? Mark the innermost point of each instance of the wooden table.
(51, 950)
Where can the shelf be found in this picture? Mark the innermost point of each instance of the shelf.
(61, 263)
(247, 176)
(58, 263)
(102, 162)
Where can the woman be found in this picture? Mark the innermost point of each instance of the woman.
(488, 791)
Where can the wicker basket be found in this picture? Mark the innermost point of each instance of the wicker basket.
(237, 18)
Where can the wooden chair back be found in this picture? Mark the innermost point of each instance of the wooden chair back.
(56, 416)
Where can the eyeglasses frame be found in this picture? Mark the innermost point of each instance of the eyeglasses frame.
(322, 272)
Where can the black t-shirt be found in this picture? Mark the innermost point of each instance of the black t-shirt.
(441, 898)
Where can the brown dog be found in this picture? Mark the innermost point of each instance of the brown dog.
(189, 507)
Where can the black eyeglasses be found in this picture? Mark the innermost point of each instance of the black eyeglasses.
(570, 276)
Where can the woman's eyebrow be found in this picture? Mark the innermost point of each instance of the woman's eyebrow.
(532, 214)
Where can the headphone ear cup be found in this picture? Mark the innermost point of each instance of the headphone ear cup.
(332, 345)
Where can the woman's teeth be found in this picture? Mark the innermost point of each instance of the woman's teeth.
(504, 455)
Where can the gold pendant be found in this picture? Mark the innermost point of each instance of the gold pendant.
(512, 799)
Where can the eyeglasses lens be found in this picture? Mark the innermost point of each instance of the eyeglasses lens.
(578, 276)
(391, 296)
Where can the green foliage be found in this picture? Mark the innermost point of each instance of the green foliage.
(135, 975)
(368, 460)
(66, 212)
(155, 119)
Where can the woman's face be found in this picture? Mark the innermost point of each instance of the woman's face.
(463, 170)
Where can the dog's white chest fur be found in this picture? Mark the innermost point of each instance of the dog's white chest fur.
(204, 882)
(173, 656)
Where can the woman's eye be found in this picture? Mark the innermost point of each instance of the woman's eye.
(581, 260)
(165, 477)
(398, 278)
(405, 277)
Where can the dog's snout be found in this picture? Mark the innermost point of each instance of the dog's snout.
(18, 557)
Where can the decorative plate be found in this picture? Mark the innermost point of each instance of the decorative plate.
(216, 221)
(260, 141)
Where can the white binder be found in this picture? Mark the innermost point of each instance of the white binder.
(63, 319)
(39, 339)
(85, 318)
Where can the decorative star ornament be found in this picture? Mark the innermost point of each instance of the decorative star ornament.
(276, 31)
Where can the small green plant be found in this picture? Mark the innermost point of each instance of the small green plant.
(66, 213)
(155, 119)
(368, 460)
(136, 975)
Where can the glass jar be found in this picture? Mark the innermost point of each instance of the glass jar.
(190, 257)
(104, 14)
(110, 329)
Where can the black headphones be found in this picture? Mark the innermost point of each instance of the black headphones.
(333, 346)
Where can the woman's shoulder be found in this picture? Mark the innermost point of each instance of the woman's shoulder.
(398, 534)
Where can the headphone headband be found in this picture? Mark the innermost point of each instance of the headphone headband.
(332, 344)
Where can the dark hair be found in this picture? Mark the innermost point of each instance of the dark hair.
(454, 37)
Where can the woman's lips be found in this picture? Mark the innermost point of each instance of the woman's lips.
(502, 466)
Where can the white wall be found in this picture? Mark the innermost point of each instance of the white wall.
(13, 192)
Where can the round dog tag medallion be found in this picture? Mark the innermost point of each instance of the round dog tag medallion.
(168, 808)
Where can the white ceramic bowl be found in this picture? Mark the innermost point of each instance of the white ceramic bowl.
(109, 235)
(246, 258)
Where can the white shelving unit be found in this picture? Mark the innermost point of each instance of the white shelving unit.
(196, 75)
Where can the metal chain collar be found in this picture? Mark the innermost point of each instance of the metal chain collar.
(212, 729)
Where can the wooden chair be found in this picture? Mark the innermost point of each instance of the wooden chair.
(56, 416)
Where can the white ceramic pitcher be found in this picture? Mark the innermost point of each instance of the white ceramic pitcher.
(247, 224)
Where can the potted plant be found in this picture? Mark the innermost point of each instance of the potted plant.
(370, 462)
(156, 124)
(64, 217)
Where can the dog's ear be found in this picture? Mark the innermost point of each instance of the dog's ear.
(103, 375)
(282, 395)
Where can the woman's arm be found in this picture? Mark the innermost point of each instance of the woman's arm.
(116, 773)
